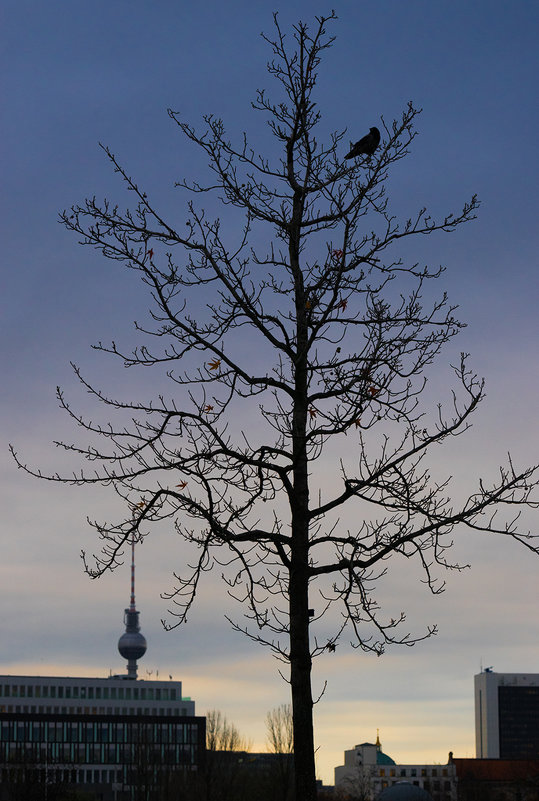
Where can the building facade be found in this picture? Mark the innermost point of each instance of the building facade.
(107, 735)
(367, 771)
(506, 715)
(497, 779)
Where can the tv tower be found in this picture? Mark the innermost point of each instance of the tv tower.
(132, 644)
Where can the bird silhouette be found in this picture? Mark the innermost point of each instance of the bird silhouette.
(366, 146)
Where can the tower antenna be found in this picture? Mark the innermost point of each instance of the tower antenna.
(132, 604)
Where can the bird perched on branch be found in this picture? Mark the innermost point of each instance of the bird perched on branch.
(366, 146)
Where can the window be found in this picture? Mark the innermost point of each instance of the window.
(413, 772)
(382, 771)
(113, 692)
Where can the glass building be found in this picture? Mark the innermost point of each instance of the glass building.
(112, 736)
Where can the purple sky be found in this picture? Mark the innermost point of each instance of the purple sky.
(78, 74)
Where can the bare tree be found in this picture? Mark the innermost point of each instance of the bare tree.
(223, 777)
(358, 785)
(280, 736)
(222, 735)
(280, 733)
(344, 337)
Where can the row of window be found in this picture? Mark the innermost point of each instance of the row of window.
(49, 776)
(93, 710)
(25, 754)
(61, 691)
(414, 771)
(99, 732)
(113, 778)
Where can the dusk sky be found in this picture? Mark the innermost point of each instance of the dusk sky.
(76, 74)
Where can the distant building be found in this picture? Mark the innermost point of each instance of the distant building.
(367, 771)
(497, 779)
(506, 715)
(105, 735)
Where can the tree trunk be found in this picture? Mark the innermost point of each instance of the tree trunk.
(300, 677)
(300, 652)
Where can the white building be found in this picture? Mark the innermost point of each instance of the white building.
(367, 771)
(506, 715)
(117, 695)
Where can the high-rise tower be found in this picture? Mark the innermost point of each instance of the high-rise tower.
(506, 715)
(132, 644)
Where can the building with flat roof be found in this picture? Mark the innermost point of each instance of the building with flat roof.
(497, 779)
(113, 737)
(506, 715)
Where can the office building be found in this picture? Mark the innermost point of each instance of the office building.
(506, 715)
(107, 736)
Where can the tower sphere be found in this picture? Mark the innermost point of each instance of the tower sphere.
(132, 645)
